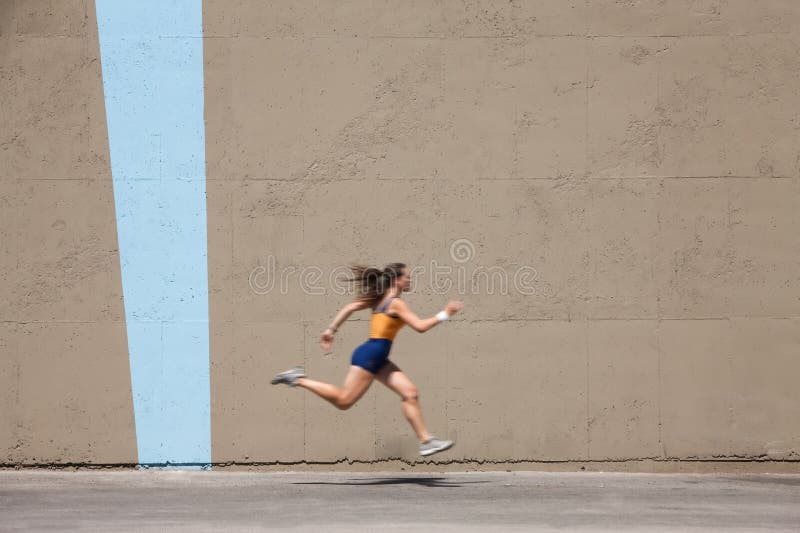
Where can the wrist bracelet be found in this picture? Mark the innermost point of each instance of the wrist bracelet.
(442, 316)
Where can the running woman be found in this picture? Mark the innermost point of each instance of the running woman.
(381, 291)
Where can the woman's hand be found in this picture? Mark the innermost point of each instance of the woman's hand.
(453, 307)
(326, 341)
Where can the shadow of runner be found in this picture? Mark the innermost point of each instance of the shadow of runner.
(764, 479)
(422, 481)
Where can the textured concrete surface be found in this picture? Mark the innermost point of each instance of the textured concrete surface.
(64, 367)
(640, 156)
(520, 501)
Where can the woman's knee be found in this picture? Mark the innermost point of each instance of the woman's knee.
(409, 394)
(344, 403)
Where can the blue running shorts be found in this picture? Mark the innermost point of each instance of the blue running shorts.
(372, 355)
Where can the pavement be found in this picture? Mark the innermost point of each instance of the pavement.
(169, 500)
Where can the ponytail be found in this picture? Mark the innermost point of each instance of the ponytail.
(372, 283)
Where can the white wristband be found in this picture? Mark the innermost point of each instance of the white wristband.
(442, 316)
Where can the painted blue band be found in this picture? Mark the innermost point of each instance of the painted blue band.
(152, 61)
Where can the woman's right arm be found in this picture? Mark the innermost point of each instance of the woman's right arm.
(326, 340)
(401, 309)
(345, 313)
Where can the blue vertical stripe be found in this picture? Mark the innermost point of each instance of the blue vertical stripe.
(152, 63)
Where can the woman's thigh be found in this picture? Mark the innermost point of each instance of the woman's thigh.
(356, 383)
(394, 378)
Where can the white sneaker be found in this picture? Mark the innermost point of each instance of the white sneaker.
(290, 376)
(434, 445)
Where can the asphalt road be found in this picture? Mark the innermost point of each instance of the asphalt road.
(33, 500)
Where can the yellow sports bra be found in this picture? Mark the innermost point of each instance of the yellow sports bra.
(383, 326)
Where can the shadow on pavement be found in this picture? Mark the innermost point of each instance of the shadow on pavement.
(765, 479)
(422, 481)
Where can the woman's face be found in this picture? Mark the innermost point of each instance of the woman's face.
(404, 281)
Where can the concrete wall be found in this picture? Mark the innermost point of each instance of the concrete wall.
(638, 159)
(66, 395)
